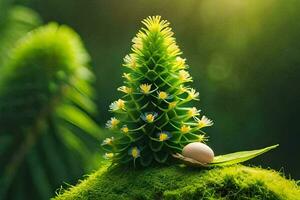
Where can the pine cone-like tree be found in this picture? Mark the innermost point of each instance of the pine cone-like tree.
(154, 119)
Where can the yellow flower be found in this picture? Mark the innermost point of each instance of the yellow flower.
(204, 122)
(180, 63)
(138, 40)
(154, 23)
(112, 123)
(149, 117)
(145, 88)
(125, 89)
(172, 105)
(173, 49)
(108, 141)
(117, 105)
(182, 89)
(185, 129)
(193, 94)
(130, 61)
(134, 152)
(163, 136)
(125, 129)
(192, 112)
(168, 37)
(184, 76)
(108, 155)
(127, 76)
(162, 95)
(201, 138)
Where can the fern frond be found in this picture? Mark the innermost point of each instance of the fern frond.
(15, 22)
(46, 102)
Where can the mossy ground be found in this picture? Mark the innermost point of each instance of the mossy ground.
(235, 182)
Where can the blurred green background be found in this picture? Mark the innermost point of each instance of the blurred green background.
(244, 57)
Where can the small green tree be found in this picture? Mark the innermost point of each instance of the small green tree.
(154, 118)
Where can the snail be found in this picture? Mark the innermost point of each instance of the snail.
(195, 154)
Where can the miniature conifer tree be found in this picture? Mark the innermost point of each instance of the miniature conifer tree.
(155, 118)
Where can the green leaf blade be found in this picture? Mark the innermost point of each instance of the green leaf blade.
(238, 157)
(78, 118)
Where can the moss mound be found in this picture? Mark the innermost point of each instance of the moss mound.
(235, 182)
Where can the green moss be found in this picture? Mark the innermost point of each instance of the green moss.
(235, 182)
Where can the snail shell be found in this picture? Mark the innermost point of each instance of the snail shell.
(199, 152)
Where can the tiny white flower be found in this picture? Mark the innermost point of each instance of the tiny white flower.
(138, 41)
(149, 116)
(130, 61)
(173, 49)
(127, 76)
(193, 94)
(112, 123)
(108, 141)
(193, 112)
(180, 63)
(108, 156)
(117, 105)
(125, 89)
(204, 122)
(184, 76)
